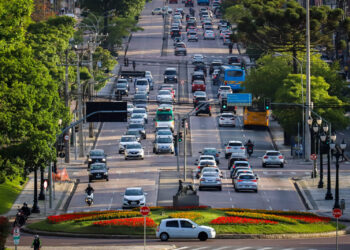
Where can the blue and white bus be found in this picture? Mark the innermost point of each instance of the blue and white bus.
(233, 76)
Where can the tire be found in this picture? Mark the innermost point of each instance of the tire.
(90, 179)
(126, 158)
(220, 188)
(209, 114)
(236, 190)
(256, 191)
(219, 125)
(227, 156)
(200, 189)
(264, 165)
(203, 236)
(282, 165)
(164, 237)
(154, 151)
(107, 179)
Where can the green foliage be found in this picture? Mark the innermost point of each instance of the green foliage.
(4, 231)
(9, 190)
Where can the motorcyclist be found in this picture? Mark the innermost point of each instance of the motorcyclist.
(25, 209)
(89, 191)
(36, 243)
(249, 144)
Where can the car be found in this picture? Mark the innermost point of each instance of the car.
(137, 119)
(223, 33)
(140, 100)
(180, 48)
(135, 133)
(178, 23)
(236, 157)
(191, 27)
(171, 89)
(177, 40)
(246, 182)
(203, 164)
(237, 171)
(164, 132)
(200, 66)
(273, 158)
(212, 169)
(134, 197)
(157, 11)
(234, 147)
(140, 128)
(198, 75)
(209, 34)
(134, 151)
(205, 157)
(163, 144)
(123, 80)
(210, 180)
(181, 10)
(141, 84)
(212, 151)
(148, 75)
(96, 155)
(130, 108)
(170, 75)
(161, 128)
(121, 88)
(198, 86)
(177, 16)
(203, 108)
(197, 58)
(227, 40)
(192, 36)
(125, 140)
(98, 171)
(224, 90)
(189, 3)
(215, 64)
(141, 111)
(175, 32)
(239, 164)
(235, 60)
(164, 96)
(227, 119)
(215, 77)
(199, 96)
(174, 228)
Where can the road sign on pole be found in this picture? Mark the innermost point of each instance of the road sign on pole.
(240, 99)
(313, 157)
(337, 212)
(144, 211)
(16, 236)
(66, 137)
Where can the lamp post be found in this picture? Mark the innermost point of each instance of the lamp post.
(329, 195)
(337, 152)
(315, 129)
(35, 207)
(41, 194)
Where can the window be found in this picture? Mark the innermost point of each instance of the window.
(235, 144)
(234, 73)
(172, 223)
(273, 153)
(164, 117)
(186, 224)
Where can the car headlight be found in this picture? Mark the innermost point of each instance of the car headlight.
(90, 160)
(126, 200)
(121, 146)
(165, 77)
(103, 159)
(175, 76)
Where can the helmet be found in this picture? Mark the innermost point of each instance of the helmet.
(37, 236)
(25, 204)
(89, 185)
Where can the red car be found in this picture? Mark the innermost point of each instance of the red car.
(198, 86)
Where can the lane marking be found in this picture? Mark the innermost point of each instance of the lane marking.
(182, 248)
(199, 248)
(220, 248)
(110, 204)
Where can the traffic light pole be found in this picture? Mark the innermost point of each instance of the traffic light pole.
(178, 146)
(185, 152)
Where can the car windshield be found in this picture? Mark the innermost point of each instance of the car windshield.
(170, 72)
(234, 73)
(130, 106)
(200, 98)
(246, 177)
(225, 88)
(209, 151)
(273, 153)
(235, 144)
(128, 139)
(164, 132)
(164, 92)
(193, 34)
(136, 116)
(139, 111)
(140, 96)
(97, 167)
(122, 81)
(133, 132)
(164, 117)
(96, 153)
(227, 116)
(198, 82)
(141, 82)
(135, 126)
(121, 85)
(241, 164)
(164, 140)
(203, 163)
(131, 192)
(210, 174)
(133, 146)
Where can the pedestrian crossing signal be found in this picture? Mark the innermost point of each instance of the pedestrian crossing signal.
(267, 103)
(180, 137)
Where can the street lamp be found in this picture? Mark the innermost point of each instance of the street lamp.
(337, 153)
(322, 140)
(35, 207)
(315, 130)
(329, 195)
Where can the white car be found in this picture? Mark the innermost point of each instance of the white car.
(125, 140)
(177, 16)
(209, 34)
(141, 111)
(236, 147)
(227, 119)
(134, 197)
(212, 169)
(165, 132)
(149, 77)
(205, 157)
(157, 11)
(197, 58)
(273, 158)
(224, 90)
(134, 151)
(137, 118)
(130, 108)
(163, 144)
(183, 228)
(165, 96)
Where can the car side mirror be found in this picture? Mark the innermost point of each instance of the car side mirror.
(200, 152)
(145, 194)
(193, 226)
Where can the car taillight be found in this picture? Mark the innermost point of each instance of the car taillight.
(199, 167)
(217, 155)
(228, 147)
(253, 180)
(196, 108)
(242, 148)
(209, 107)
(202, 179)
(171, 33)
(280, 157)
(232, 118)
(222, 118)
(240, 180)
(265, 157)
(233, 166)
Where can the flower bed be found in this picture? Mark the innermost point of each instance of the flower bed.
(128, 222)
(231, 220)
(263, 216)
(111, 215)
(276, 212)
(309, 219)
(167, 208)
(76, 216)
(187, 215)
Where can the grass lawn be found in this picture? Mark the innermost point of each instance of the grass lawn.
(204, 219)
(8, 194)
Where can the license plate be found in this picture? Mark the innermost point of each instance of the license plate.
(134, 203)
(98, 175)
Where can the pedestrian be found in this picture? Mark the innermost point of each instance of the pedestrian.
(230, 47)
(134, 65)
(36, 243)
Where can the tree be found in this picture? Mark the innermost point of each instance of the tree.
(42, 10)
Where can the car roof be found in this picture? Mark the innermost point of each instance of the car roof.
(97, 150)
(98, 164)
(162, 136)
(170, 69)
(226, 114)
(234, 142)
(272, 151)
(242, 162)
(131, 188)
(198, 73)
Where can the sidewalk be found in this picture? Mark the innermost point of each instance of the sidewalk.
(314, 197)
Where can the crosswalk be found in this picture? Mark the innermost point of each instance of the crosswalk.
(242, 248)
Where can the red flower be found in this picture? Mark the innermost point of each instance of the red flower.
(309, 219)
(239, 220)
(128, 222)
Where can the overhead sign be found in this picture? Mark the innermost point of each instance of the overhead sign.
(239, 99)
(144, 210)
(111, 113)
(337, 212)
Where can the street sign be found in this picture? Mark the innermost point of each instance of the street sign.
(239, 99)
(66, 137)
(144, 211)
(109, 115)
(16, 235)
(45, 183)
(313, 157)
(337, 212)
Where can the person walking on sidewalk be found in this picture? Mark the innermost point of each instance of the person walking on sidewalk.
(134, 65)
(230, 47)
(36, 243)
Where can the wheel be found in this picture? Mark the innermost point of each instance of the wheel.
(200, 188)
(186, 54)
(164, 236)
(126, 158)
(219, 125)
(209, 114)
(196, 114)
(227, 156)
(256, 191)
(142, 158)
(220, 188)
(202, 236)
(172, 152)
(236, 190)
(154, 150)
(107, 179)
(282, 165)
(90, 179)
(264, 165)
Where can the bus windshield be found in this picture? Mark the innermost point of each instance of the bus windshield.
(164, 117)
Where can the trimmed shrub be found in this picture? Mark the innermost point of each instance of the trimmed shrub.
(4, 231)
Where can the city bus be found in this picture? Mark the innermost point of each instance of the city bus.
(233, 76)
(255, 117)
(165, 117)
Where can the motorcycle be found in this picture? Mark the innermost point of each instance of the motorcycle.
(89, 199)
(250, 150)
(20, 219)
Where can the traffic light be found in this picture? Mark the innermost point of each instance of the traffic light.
(267, 103)
(243, 65)
(183, 122)
(224, 104)
(180, 137)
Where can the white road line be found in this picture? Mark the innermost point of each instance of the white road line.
(181, 248)
(243, 248)
(270, 208)
(220, 248)
(264, 248)
(199, 248)
(288, 248)
(280, 173)
(293, 173)
(110, 204)
(264, 172)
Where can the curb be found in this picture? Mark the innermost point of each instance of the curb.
(71, 193)
(272, 139)
(302, 195)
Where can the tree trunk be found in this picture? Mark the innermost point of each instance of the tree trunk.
(295, 66)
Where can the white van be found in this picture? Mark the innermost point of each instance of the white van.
(142, 84)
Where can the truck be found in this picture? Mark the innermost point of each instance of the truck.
(203, 2)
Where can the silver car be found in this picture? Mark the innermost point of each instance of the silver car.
(273, 158)
(210, 180)
(212, 169)
(137, 119)
(141, 111)
(246, 182)
(163, 144)
(125, 140)
(134, 151)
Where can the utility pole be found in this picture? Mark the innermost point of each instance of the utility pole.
(91, 85)
(80, 110)
(66, 99)
(308, 88)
